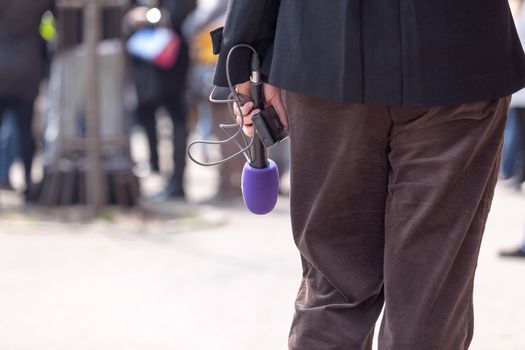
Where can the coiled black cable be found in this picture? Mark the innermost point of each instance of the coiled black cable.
(244, 149)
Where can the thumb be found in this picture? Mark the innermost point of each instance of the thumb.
(280, 109)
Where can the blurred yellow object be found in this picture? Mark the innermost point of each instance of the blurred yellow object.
(48, 27)
(201, 47)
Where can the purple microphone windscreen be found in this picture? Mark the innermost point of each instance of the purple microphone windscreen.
(260, 187)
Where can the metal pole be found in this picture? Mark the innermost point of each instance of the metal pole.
(95, 183)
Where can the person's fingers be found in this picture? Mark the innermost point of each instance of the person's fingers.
(272, 93)
(280, 109)
(244, 99)
(240, 121)
(244, 109)
(247, 126)
(246, 122)
(273, 96)
(247, 119)
(243, 88)
(248, 130)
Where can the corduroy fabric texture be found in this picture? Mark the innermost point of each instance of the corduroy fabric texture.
(388, 207)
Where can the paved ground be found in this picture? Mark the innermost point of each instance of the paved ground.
(194, 278)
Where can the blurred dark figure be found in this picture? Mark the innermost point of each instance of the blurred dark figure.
(513, 161)
(513, 157)
(518, 252)
(158, 87)
(7, 149)
(21, 68)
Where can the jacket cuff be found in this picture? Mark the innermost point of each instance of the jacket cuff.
(239, 60)
(216, 40)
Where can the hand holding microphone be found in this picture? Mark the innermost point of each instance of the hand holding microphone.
(259, 109)
(260, 176)
(272, 97)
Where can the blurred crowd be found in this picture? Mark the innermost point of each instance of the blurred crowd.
(167, 74)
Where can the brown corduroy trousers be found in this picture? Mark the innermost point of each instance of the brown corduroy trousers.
(388, 206)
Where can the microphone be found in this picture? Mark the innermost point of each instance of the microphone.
(260, 177)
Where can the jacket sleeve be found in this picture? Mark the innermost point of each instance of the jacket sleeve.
(248, 22)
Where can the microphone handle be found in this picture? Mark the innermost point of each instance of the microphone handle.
(260, 160)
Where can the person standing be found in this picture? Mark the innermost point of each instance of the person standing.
(396, 111)
(513, 157)
(513, 161)
(7, 150)
(166, 88)
(21, 68)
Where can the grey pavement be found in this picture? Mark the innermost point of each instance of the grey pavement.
(195, 278)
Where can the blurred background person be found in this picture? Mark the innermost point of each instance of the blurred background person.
(513, 158)
(7, 149)
(165, 87)
(512, 162)
(21, 70)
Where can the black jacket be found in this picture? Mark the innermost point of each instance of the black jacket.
(21, 54)
(384, 52)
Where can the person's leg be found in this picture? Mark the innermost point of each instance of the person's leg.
(4, 157)
(8, 147)
(5, 108)
(176, 106)
(339, 174)
(146, 118)
(444, 166)
(23, 111)
(510, 145)
(520, 154)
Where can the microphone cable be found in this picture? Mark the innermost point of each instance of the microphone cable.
(245, 148)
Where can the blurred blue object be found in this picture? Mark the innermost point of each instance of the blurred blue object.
(159, 46)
